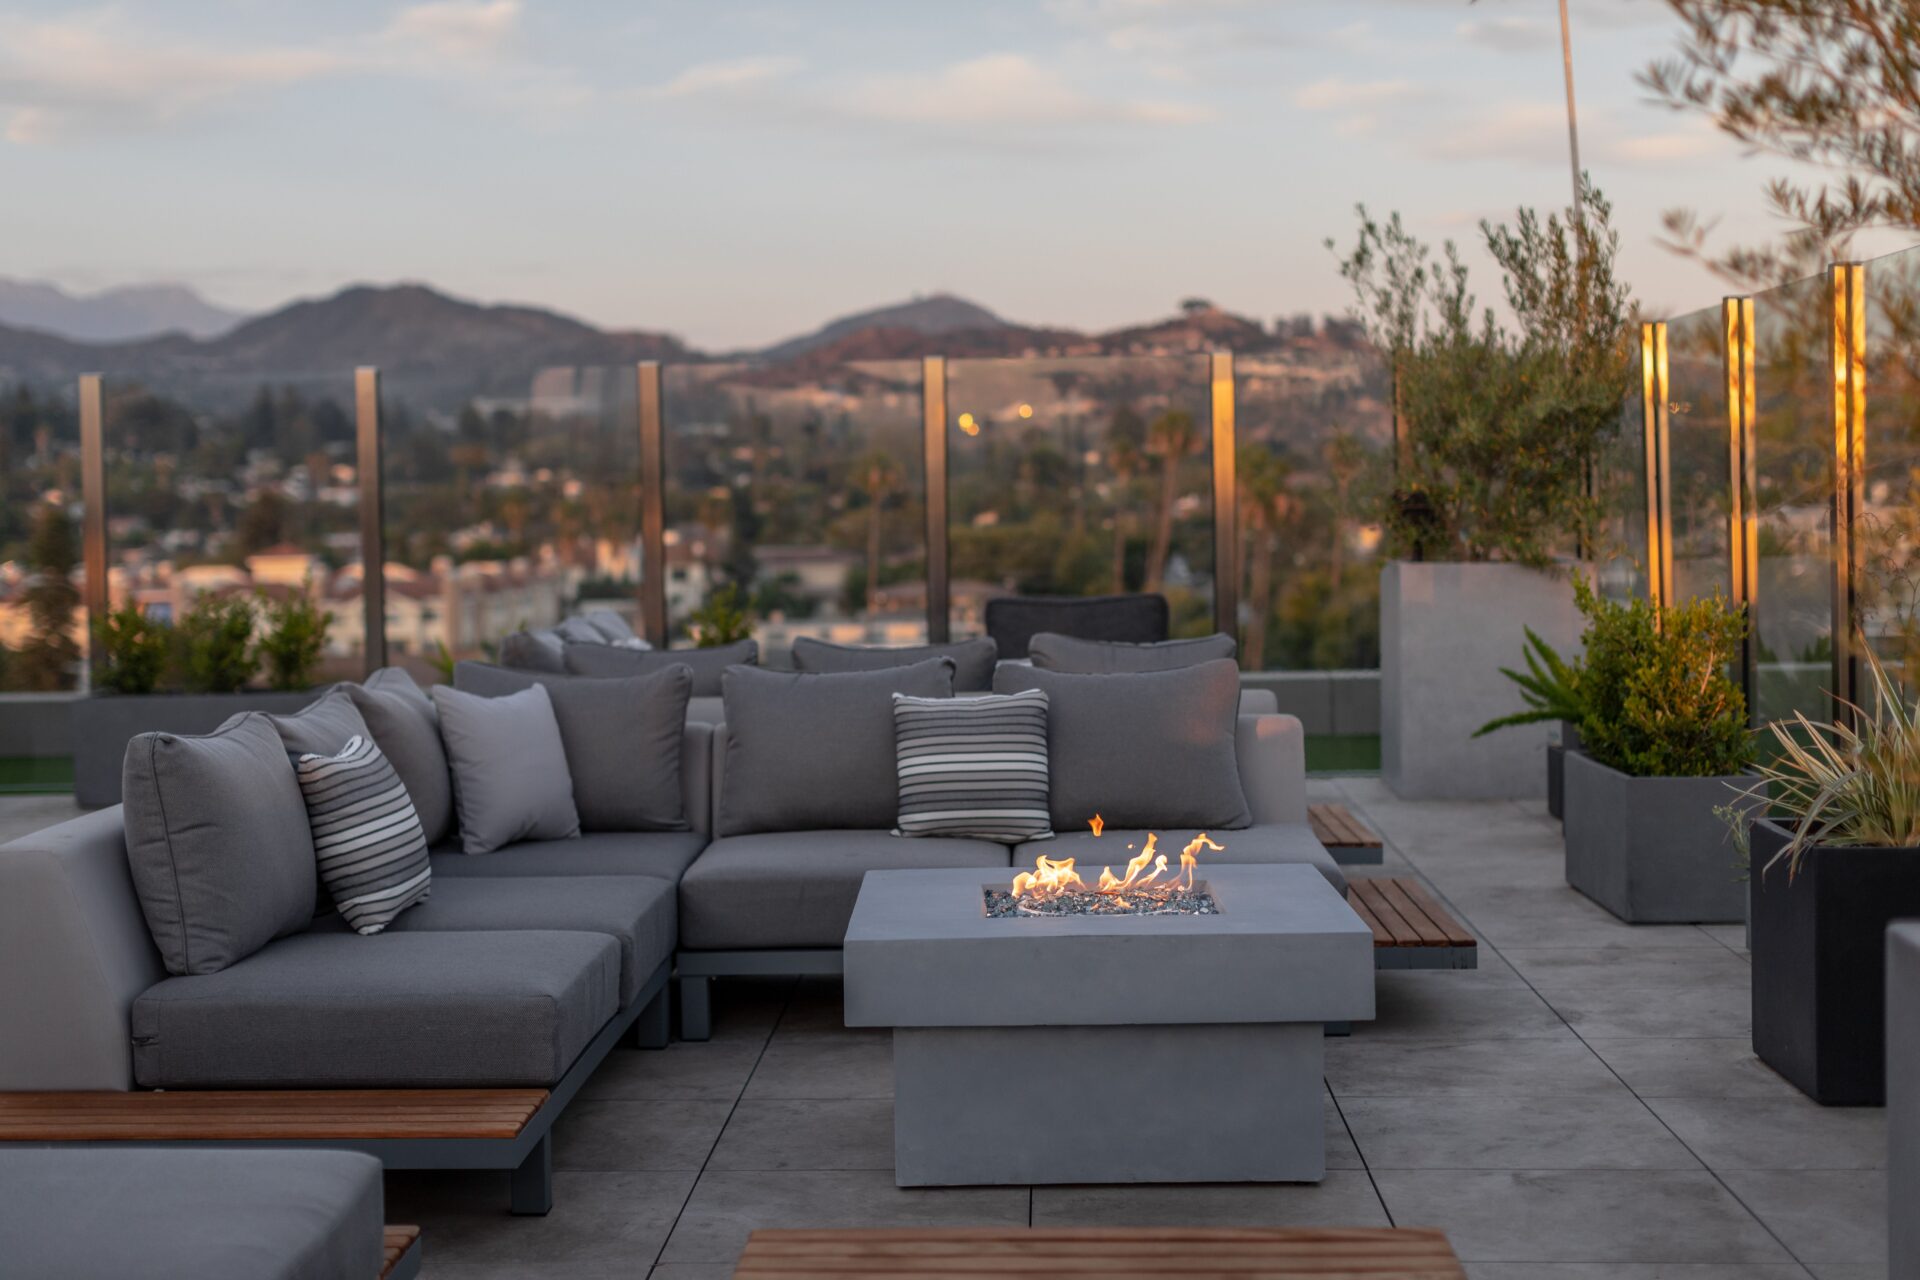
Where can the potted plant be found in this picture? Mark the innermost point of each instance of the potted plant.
(1550, 690)
(1836, 859)
(1498, 430)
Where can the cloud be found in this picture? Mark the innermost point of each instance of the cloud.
(729, 76)
(1001, 91)
(1508, 35)
(475, 32)
(1336, 93)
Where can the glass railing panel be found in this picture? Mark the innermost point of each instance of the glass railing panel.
(1793, 451)
(507, 510)
(1620, 568)
(798, 491)
(43, 629)
(1887, 532)
(1080, 477)
(1700, 475)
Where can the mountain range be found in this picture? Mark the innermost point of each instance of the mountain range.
(112, 315)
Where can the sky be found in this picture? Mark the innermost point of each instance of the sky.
(739, 172)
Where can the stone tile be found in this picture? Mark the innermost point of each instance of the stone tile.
(1341, 1153)
(1464, 1005)
(1504, 1068)
(684, 1071)
(1646, 968)
(1587, 1215)
(24, 815)
(1777, 1133)
(1724, 1013)
(1836, 1216)
(1520, 917)
(749, 1007)
(1346, 1198)
(637, 1136)
(1848, 1271)
(826, 1065)
(1731, 936)
(1692, 1067)
(817, 1004)
(726, 1206)
(1597, 1131)
(807, 1135)
(1631, 1271)
(601, 1224)
(692, 1271)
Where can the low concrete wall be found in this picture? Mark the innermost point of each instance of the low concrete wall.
(1326, 702)
(36, 724)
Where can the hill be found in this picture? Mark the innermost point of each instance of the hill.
(939, 314)
(112, 315)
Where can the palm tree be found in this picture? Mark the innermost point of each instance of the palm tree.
(879, 477)
(1266, 507)
(1172, 438)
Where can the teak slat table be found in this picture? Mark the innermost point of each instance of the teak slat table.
(1347, 838)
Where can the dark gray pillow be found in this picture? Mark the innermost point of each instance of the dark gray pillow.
(806, 752)
(580, 629)
(533, 651)
(622, 738)
(612, 627)
(323, 725)
(403, 722)
(706, 664)
(510, 779)
(217, 842)
(972, 659)
(1055, 652)
(1145, 749)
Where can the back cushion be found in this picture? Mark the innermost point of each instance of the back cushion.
(1013, 621)
(622, 739)
(217, 842)
(972, 659)
(323, 726)
(1143, 749)
(706, 664)
(612, 627)
(510, 779)
(806, 752)
(1056, 652)
(402, 720)
(533, 651)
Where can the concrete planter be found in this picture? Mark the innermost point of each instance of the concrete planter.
(1445, 632)
(1903, 1098)
(1557, 768)
(1819, 963)
(1652, 850)
(105, 723)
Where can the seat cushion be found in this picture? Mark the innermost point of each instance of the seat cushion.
(331, 1010)
(1269, 843)
(707, 665)
(183, 1213)
(972, 659)
(797, 888)
(661, 854)
(636, 911)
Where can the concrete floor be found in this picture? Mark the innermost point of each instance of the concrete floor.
(1585, 1105)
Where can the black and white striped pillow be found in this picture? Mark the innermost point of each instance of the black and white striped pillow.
(973, 766)
(366, 834)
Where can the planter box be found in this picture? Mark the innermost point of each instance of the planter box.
(104, 723)
(1557, 768)
(1652, 850)
(1819, 963)
(1903, 1098)
(1445, 632)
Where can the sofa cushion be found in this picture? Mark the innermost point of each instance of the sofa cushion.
(638, 912)
(973, 766)
(613, 627)
(185, 1213)
(663, 855)
(816, 751)
(972, 659)
(217, 842)
(1013, 621)
(402, 719)
(797, 888)
(621, 737)
(366, 836)
(1265, 843)
(1054, 652)
(322, 726)
(541, 650)
(331, 1010)
(1146, 749)
(510, 779)
(706, 664)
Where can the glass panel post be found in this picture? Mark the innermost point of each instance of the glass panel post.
(653, 504)
(1226, 523)
(1743, 541)
(373, 541)
(93, 520)
(933, 454)
(1848, 366)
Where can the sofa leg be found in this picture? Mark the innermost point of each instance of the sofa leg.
(1339, 1028)
(696, 1008)
(530, 1187)
(652, 1028)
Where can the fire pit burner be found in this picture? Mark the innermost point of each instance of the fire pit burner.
(1054, 888)
(1189, 902)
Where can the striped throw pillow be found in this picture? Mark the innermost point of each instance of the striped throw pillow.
(973, 766)
(373, 855)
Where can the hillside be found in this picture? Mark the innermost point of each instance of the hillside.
(942, 313)
(112, 315)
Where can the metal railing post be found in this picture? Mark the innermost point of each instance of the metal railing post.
(1653, 374)
(933, 436)
(1847, 362)
(653, 503)
(1743, 537)
(93, 516)
(1226, 502)
(369, 471)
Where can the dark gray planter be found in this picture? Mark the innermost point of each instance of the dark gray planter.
(1556, 768)
(1652, 850)
(1819, 963)
(104, 723)
(1903, 1097)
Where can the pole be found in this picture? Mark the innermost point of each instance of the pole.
(1573, 128)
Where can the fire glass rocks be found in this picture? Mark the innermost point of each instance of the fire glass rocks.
(1206, 1030)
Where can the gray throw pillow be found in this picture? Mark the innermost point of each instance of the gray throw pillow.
(510, 779)
(973, 766)
(533, 651)
(972, 659)
(622, 739)
(806, 752)
(373, 859)
(1054, 652)
(217, 843)
(1144, 750)
(402, 720)
(706, 664)
(322, 726)
(581, 630)
(613, 628)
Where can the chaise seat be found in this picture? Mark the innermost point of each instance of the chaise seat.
(664, 855)
(1271, 842)
(636, 911)
(324, 1010)
(797, 888)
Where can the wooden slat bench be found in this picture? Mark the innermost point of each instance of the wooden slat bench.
(400, 1251)
(1410, 929)
(1139, 1253)
(1348, 839)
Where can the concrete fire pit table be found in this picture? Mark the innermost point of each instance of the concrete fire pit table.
(1154, 1048)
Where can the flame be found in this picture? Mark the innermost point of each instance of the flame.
(1050, 876)
(1098, 824)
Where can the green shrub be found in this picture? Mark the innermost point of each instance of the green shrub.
(216, 644)
(722, 620)
(295, 637)
(133, 650)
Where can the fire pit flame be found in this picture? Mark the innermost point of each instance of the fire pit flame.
(1053, 885)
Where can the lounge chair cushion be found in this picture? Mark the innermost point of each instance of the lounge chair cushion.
(398, 1010)
(663, 855)
(972, 659)
(1267, 843)
(404, 723)
(510, 777)
(190, 1214)
(1054, 652)
(617, 660)
(797, 888)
